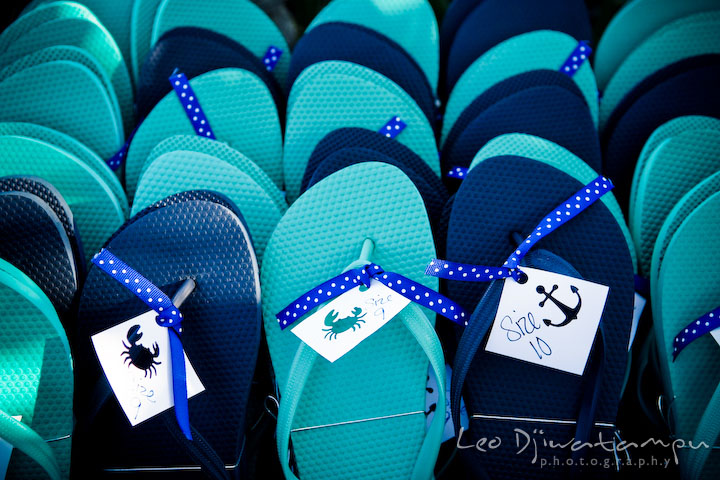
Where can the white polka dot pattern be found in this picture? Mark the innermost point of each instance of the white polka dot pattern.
(271, 58)
(191, 105)
(393, 127)
(576, 59)
(458, 172)
(707, 323)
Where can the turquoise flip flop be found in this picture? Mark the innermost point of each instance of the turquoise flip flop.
(141, 25)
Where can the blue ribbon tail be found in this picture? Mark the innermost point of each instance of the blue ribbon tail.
(177, 356)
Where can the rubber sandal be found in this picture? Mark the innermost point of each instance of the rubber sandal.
(225, 97)
(221, 334)
(455, 15)
(38, 383)
(390, 367)
(141, 24)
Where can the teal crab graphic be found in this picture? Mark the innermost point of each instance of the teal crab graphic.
(344, 324)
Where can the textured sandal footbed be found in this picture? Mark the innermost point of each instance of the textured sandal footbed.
(71, 54)
(667, 130)
(194, 51)
(178, 171)
(434, 200)
(373, 140)
(322, 233)
(505, 88)
(141, 24)
(78, 105)
(357, 44)
(687, 37)
(494, 21)
(96, 209)
(242, 21)
(239, 109)
(673, 169)
(90, 36)
(549, 51)
(690, 93)
(34, 240)
(196, 143)
(484, 216)
(37, 380)
(548, 112)
(410, 23)
(221, 332)
(74, 148)
(319, 103)
(634, 23)
(455, 15)
(694, 375)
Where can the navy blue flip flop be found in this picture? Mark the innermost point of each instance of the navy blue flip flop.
(455, 14)
(221, 336)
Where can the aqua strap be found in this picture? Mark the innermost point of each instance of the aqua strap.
(272, 57)
(705, 324)
(344, 282)
(576, 58)
(191, 105)
(563, 213)
(30, 443)
(393, 127)
(169, 316)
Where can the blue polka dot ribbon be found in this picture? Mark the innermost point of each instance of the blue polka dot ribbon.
(393, 127)
(345, 282)
(707, 323)
(576, 58)
(191, 105)
(169, 316)
(117, 160)
(458, 172)
(271, 58)
(563, 213)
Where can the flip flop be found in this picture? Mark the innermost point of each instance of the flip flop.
(96, 209)
(689, 93)
(410, 23)
(683, 301)
(74, 148)
(455, 15)
(494, 21)
(221, 333)
(141, 25)
(90, 36)
(383, 378)
(684, 38)
(316, 108)
(357, 44)
(179, 171)
(635, 22)
(78, 106)
(673, 169)
(509, 58)
(195, 51)
(38, 380)
(479, 236)
(242, 21)
(240, 110)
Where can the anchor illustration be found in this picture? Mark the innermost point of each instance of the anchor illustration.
(570, 313)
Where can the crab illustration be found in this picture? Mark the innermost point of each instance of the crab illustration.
(139, 356)
(344, 324)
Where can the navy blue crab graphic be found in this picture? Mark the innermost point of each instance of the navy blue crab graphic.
(139, 356)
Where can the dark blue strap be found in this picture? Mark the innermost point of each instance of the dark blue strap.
(271, 57)
(696, 329)
(117, 160)
(393, 127)
(191, 105)
(458, 172)
(578, 56)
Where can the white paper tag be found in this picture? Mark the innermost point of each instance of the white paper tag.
(431, 398)
(343, 323)
(5, 453)
(550, 320)
(135, 356)
(638, 307)
(716, 335)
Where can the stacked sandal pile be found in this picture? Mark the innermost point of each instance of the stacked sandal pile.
(384, 255)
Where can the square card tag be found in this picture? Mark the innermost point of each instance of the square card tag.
(5, 453)
(135, 356)
(549, 320)
(338, 327)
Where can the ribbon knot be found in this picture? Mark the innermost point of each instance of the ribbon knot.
(368, 272)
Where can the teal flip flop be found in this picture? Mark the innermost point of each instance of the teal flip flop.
(410, 23)
(542, 49)
(37, 380)
(180, 171)
(684, 38)
(677, 165)
(78, 106)
(74, 148)
(240, 110)
(96, 209)
(331, 95)
(636, 21)
(240, 20)
(363, 415)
